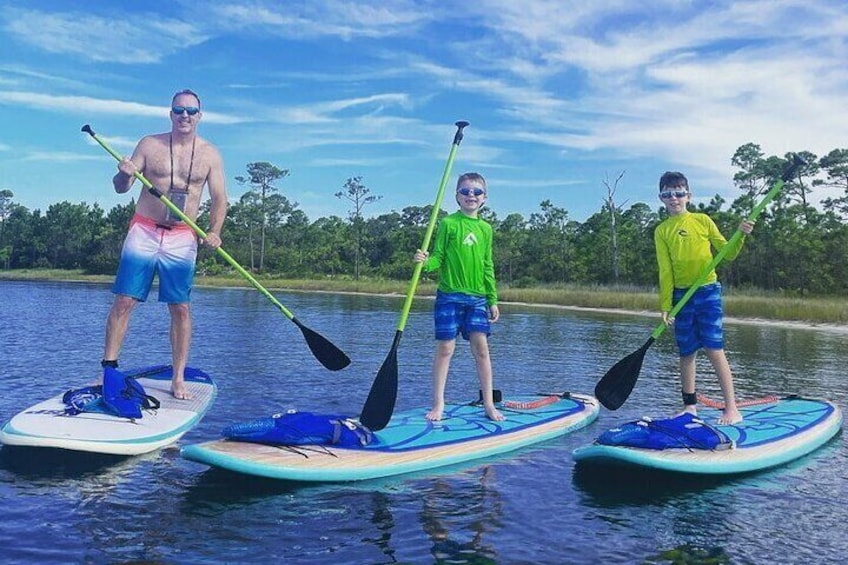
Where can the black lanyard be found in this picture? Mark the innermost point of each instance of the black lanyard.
(190, 165)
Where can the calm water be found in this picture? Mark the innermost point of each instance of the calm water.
(531, 506)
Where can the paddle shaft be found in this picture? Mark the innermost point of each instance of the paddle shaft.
(428, 234)
(188, 221)
(731, 243)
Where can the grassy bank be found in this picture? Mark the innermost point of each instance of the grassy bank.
(738, 304)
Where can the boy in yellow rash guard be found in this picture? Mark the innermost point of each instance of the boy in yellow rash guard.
(467, 297)
(684, 243)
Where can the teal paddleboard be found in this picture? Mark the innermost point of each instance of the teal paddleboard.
(47, 425)
(771, 434)
(409, 443)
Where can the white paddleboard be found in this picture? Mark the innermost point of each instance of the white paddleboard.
(47, 425)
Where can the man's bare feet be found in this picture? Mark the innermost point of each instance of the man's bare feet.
(179, 390)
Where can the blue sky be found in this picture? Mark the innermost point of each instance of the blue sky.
(560, 94)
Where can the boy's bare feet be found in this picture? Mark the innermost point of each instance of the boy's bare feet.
(493, 414)
(689, 409)
(435, 414)
(729, 417)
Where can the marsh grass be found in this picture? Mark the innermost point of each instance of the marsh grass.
(739, 303)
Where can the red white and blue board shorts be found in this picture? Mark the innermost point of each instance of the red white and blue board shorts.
(700, 322)
(152, 249)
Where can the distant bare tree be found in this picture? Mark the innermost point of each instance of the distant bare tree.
(609, 205)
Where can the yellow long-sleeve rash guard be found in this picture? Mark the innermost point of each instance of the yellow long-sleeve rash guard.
(684, 246)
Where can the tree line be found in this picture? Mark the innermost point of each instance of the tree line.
(797, 248)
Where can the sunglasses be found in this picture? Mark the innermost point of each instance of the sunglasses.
(190, 110)
(470, 191)
(666, 194)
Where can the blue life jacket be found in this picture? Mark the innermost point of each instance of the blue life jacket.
(85, 399)
(119, 395)
(301, 428)
(683, 431)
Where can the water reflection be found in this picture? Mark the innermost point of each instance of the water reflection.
(528, 506)
(457, 516)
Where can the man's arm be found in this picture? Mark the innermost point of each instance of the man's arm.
(218, 196)
(127, 168)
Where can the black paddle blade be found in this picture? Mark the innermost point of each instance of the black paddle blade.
(615, 387)
(381, 399)
(323, 349)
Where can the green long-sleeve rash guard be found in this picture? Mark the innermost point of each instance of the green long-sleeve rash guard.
(462, 253)
(684, 246)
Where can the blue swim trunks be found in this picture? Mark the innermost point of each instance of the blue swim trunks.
(456, 312)
(151, 249)
(699, 322)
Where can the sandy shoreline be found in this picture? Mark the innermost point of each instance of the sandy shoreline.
(834, 328)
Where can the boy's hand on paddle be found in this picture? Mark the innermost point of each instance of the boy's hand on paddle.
(667, 320)
(746, 226)
(420, 256)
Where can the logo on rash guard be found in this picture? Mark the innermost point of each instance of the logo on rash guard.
(470, 239)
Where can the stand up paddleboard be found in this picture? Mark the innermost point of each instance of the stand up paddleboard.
(47, 424)
(409, 443)
(772, 433)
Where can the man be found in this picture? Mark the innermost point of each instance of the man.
(180, 164)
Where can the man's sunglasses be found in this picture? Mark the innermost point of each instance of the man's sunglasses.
(469, 191)
(190, 110)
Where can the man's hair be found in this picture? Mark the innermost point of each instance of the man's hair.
(672, 179)
(472, 177)
(186, 91)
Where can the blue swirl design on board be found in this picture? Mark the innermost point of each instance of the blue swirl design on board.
(769, 422)
(410, 430)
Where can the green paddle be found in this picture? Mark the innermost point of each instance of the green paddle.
(381, 399)
(617, 384)
(328, 354)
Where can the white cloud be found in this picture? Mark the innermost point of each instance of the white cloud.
(59, 156)
(89, 105)
(328, 18)
(141, 38)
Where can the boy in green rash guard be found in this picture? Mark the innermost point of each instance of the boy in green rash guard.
(467, 297)
(683, 242)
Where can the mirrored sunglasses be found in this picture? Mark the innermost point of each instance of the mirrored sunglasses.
(666, 194)
(469, 191)
(190, 110)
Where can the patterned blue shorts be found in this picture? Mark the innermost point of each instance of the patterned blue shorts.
(456, 312)
(699, 322)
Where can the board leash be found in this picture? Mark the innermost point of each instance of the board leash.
(530, 405)
(706, 401)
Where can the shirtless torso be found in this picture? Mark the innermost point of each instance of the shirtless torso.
(179, 160)
(194, 162)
